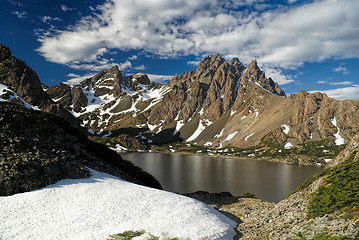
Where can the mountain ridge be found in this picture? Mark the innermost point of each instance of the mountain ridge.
(220, 104)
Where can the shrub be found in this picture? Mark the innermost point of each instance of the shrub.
(340, 190)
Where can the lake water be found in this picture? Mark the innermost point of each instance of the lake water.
(185, 174)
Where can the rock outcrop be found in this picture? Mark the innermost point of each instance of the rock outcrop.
(24, 86)
(38, 149)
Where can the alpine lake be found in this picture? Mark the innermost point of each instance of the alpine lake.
(180, 173)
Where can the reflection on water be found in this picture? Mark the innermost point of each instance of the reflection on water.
(184, 174)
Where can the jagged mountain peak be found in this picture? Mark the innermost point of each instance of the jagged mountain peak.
(255, 74)
(4, 52)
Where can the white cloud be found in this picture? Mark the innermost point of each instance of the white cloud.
(140, 68)
(65, 8)
(282, 38)
(193, 63)
(45, 19)
(159, 78)
(277, 75)
(341, 69)
(342, 93)
(21, 15)
(336, 83)
(16, 3)
(341, 83)
(73, 75)
(76, 79)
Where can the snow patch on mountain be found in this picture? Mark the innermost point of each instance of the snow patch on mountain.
(201, 126)
(230, 136)
(4, 89)
(250, 135)
(288, 145)
(338, 139)
(286, 128)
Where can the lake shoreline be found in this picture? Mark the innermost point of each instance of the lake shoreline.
(290, 161)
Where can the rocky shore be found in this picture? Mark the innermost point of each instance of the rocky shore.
(261, 220)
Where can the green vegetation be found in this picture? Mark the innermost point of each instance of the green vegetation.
(340, 190)
(127, 235)
(248, 195)
(309, 181)
(315, 150)
(321, 236)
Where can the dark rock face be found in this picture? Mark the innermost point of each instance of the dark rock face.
(22, 80)
(38, 149)
(4, 52)
(16, 75)
(140, 78)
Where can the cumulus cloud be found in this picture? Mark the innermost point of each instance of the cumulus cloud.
(343, 93)
(76, 79)
(193, 63)
(16, 3)
(159, 78)
(280, 38)
(335, 83)
(65, 8)
(46, 19)
(341, 69)
(21, 15)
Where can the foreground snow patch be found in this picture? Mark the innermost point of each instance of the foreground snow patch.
(101, 205)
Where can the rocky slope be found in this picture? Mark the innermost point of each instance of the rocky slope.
(293, 217)
(220, 104)
(38, 149)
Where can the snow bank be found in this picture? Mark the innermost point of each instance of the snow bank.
(286, 128)
(101, 205)
(250, 135)
(288, 145)
(230, 136)
(338, 139)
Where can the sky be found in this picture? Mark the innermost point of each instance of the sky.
(302, 45)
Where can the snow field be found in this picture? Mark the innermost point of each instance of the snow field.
(101, 205)
(338, 139)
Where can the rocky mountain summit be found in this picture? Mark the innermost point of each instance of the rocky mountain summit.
(38, 149)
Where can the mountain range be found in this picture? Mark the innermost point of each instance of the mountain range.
(220, 104)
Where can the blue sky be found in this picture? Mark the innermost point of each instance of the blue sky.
(302, 45)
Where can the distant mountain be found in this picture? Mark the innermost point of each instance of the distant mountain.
(220, 104)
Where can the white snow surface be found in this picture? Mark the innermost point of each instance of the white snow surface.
(286, 128)
(219, 134)
(101, 205)
(4, 89)
(230, 136)
(199, 130)
(179, 124)
(250, 135)
(288, 145)
(338, 139)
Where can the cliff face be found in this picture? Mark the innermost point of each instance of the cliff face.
(22, 85)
